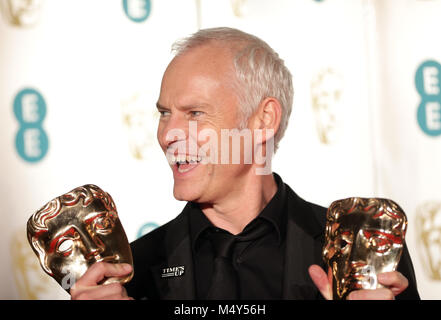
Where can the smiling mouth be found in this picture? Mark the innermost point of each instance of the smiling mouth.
(184, 163)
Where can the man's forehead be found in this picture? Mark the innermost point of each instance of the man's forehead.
(207, 56)
(218, 48)
(186, 107)
(195, 84)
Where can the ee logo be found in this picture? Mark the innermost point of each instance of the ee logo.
(31, 140)
(137, 10)
(428, 85)
(146, 228)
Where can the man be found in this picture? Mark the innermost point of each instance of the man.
(221, 79)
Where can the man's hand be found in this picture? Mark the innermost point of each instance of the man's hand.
(87, 287)
(394, 282)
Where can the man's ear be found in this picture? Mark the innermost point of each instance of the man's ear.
(268, 117)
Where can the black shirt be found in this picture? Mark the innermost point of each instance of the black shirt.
(259, 263)
(263, 266)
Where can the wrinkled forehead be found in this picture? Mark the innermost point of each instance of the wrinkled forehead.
(362, 220)
(76, 215)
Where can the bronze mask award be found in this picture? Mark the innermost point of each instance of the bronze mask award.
(364, 237)
(75, 230)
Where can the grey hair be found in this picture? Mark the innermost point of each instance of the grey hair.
(259, 71)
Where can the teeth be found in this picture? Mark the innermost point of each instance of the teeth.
(193, 159)
(182, 159)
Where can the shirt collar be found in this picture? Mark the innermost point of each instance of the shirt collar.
(273, 212)
(198, 223)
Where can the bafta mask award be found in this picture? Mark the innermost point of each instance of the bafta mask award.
(76, 230)
(364, 237)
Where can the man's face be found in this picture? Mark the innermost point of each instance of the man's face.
(80, 236)
(361, 243)
(197, 87)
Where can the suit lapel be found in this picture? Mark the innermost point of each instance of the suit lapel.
(177, 246)
(304, 238)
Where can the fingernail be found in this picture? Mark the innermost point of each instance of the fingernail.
(381, 277)
(127, 267)
(352, 296)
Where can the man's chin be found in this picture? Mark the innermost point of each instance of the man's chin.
(184, 194)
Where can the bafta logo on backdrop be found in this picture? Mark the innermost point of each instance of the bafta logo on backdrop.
(21, 13)
(140, 123)
(428, 225)
(146, 228)
(326, 102)
(238, 7)
(31, 282)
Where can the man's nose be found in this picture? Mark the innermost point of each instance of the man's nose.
(173, 130)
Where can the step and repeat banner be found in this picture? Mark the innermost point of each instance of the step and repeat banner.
(407, 122)
(79, 81)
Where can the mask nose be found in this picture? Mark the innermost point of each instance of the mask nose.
(328, 250)
(92, 246)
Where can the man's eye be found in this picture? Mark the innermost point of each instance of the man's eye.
(163, 113)
(196, 113)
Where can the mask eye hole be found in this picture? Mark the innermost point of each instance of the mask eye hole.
(65, 246)
(343, 244)
(345, 241)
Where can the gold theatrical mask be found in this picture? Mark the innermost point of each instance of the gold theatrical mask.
(75, 230)
(364, 237)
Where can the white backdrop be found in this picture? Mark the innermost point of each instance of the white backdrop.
(408, 154)
(93, 70)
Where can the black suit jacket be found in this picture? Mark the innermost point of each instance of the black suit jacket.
(170, 246)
